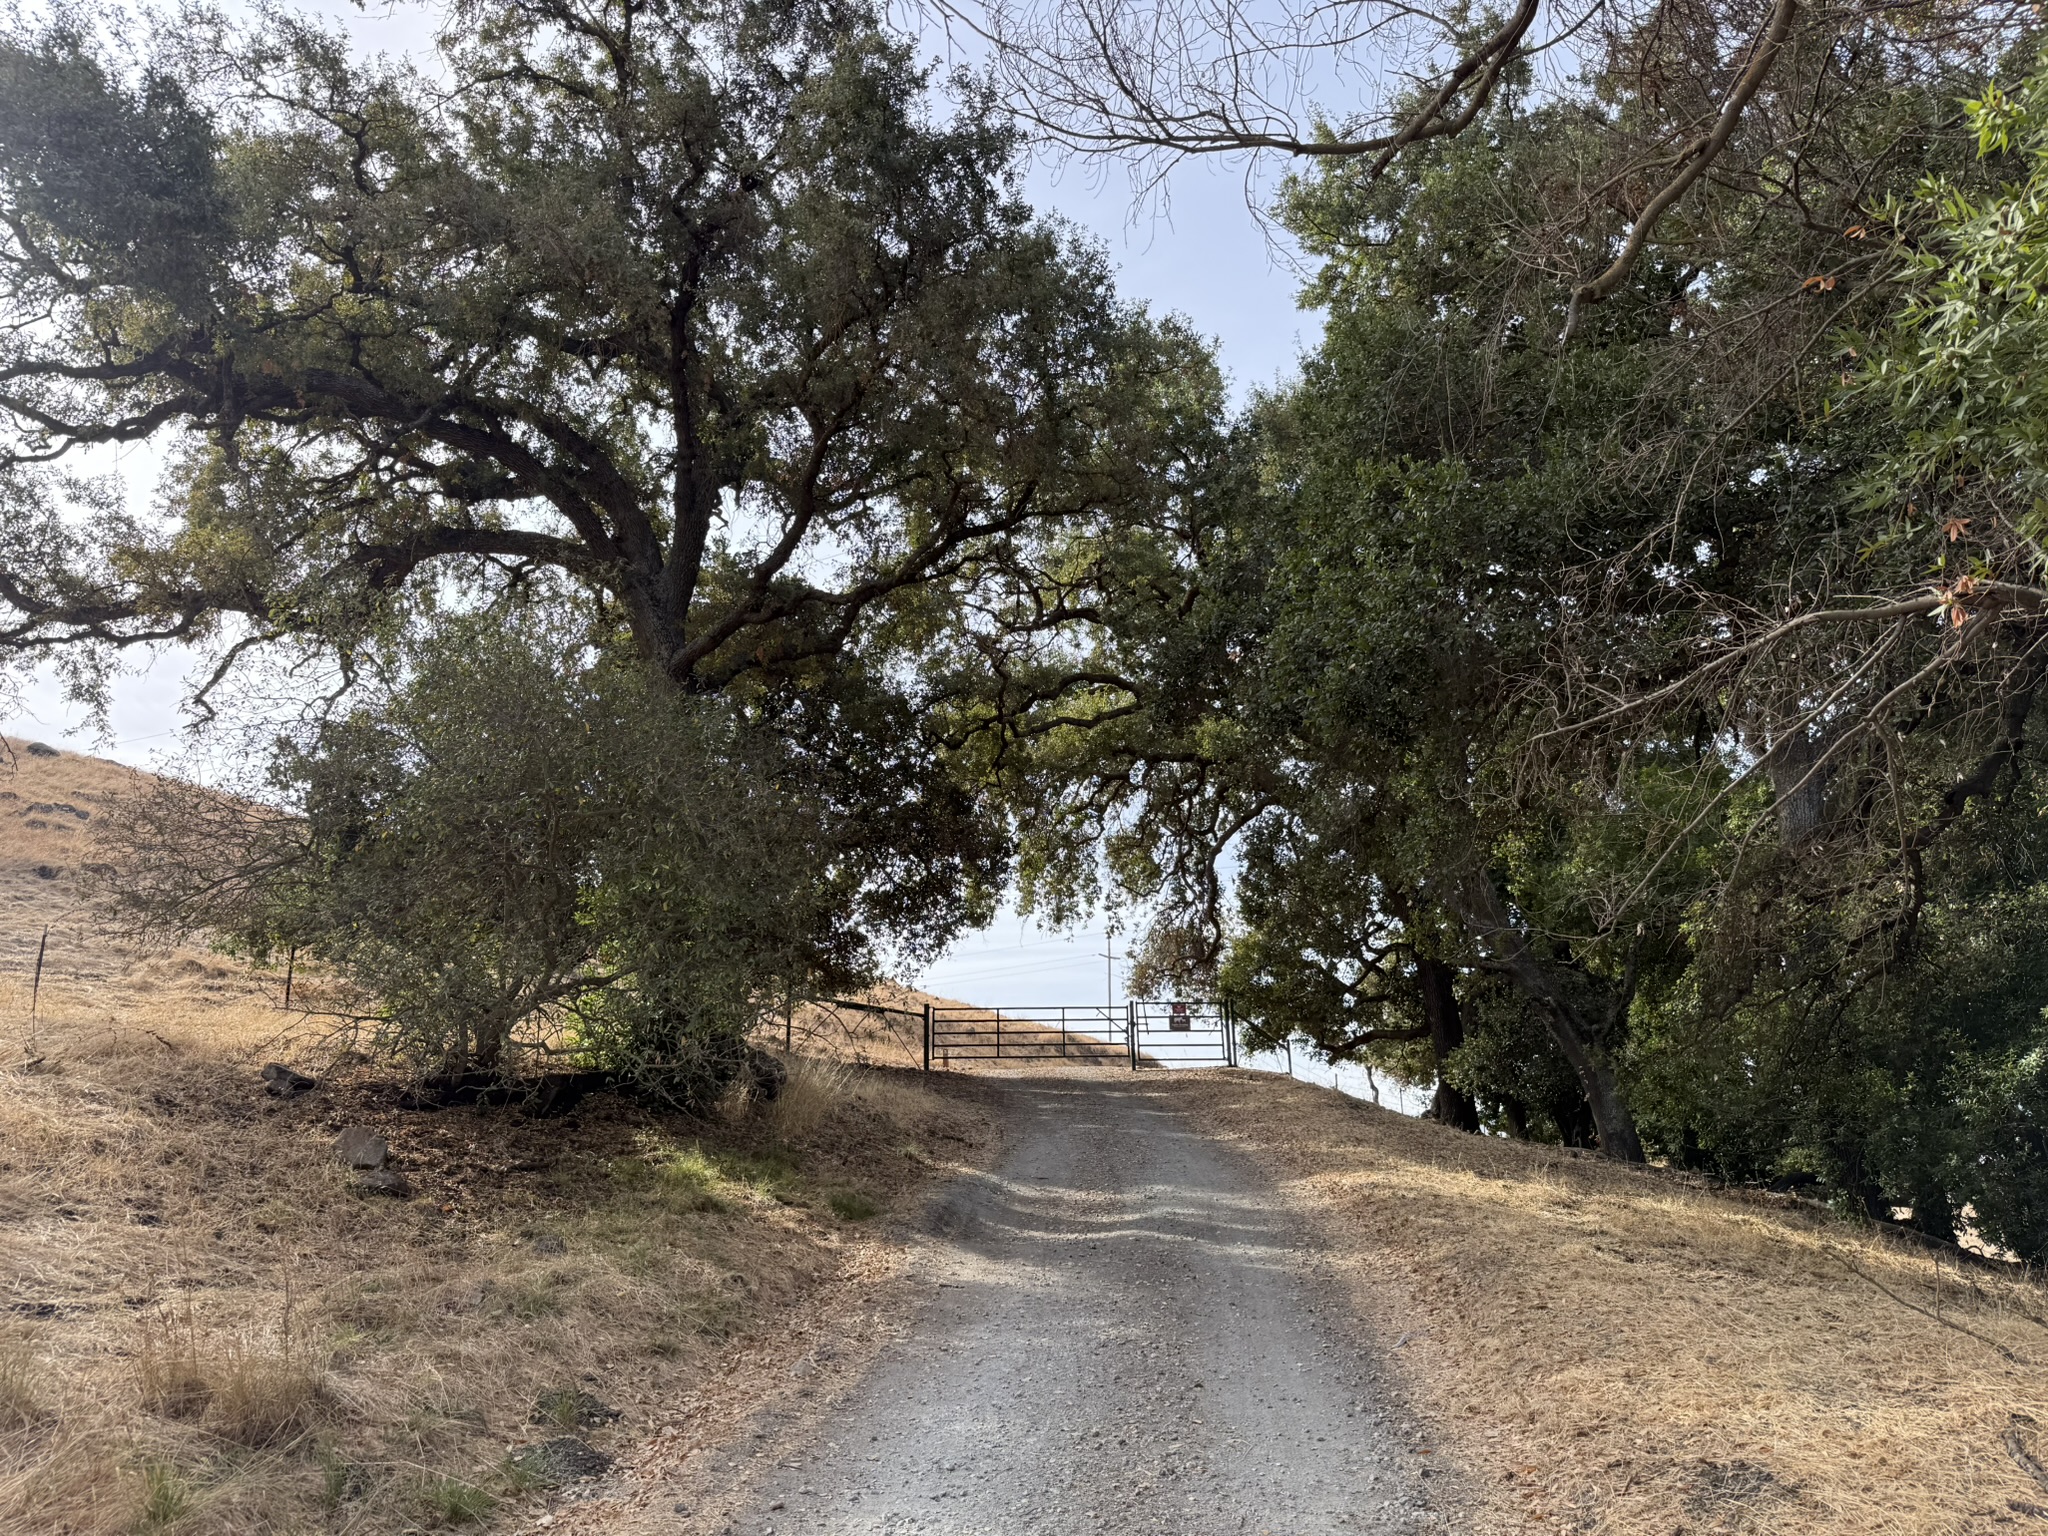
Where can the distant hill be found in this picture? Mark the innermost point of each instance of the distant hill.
(50, 804)
(53, 804)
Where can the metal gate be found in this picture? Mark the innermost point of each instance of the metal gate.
(1139, 1034)
(1181, 1034)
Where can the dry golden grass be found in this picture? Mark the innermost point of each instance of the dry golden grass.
(210, 1330)
(868, 1039)
(1623, 1351)
(21, 1387)
(255, 1388)
(815, 1090)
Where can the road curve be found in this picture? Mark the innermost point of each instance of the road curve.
(1128, 1336)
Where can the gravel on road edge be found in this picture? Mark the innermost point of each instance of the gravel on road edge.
(1123, 1327)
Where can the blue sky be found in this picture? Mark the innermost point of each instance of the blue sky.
(1197, 251)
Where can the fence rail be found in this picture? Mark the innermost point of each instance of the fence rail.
(1142, 1034)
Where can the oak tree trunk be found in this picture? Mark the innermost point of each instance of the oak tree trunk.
(1451, 1105)
(1480, 906)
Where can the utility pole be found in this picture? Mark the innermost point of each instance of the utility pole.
(1109, 972)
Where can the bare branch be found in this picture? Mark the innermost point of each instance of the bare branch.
(1202, 77)
(1693, 162)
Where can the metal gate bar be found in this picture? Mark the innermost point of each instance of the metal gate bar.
(1179, 1033)
(1142, 1034)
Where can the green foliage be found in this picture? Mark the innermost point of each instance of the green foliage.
(166, 1495)
(716, 490)
(1510, 1065)
(1959, 370)
(702, 1180)
(707, 343)
(507, 846)
(1466, 662)
(561, 1406)
(771, 1171)
(706, 315)
(451, 1501)
(691, 1178)
(852, 1205)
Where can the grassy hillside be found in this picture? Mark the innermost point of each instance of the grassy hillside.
(1620, 1350)
(209, 1325)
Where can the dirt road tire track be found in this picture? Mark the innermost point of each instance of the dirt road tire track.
(1128, 1332)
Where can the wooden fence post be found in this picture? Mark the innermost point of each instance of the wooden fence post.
(35, 992)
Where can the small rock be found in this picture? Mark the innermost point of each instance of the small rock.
(383, 1181)
(547, 1242)
(41, 749)
(766, 1076)
(280, 1081)
(572, 1405)
(360, 1147)
(803, 1368)
(561, 1460)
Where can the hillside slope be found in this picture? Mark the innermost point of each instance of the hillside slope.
(1623, 1350)
(208, 1325)
(48, 803)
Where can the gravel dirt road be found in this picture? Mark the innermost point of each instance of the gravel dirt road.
(1129, 1334)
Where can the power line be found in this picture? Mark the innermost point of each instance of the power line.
(1010, 967)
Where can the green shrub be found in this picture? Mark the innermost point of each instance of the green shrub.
(851, 1205)
(166, 1495)
(451, 1501)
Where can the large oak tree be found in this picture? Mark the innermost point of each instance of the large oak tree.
(703, 310)
(708, 339)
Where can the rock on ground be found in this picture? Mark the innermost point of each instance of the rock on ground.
(280, 1081)
(561, 1460)
(360, 1147)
